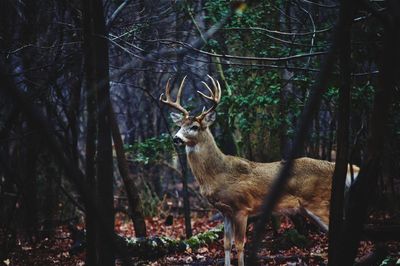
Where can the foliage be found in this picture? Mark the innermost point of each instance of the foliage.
(204, 238)
(150, 201)
(150, 150)
(255, 109)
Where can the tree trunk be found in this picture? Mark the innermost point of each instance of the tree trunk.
(364, 187)
(285, 142)
(97, 69)
(132, 192)
(30, 187)
(73, 112)
(91, 102)
(51, 196)
(182, 157)
(90, 173)
(339, 175)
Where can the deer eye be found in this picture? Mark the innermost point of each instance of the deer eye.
(195, 128)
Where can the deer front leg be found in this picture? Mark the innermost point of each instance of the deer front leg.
(240, 226)
(228, 233)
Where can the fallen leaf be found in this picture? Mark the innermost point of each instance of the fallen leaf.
(202, 250)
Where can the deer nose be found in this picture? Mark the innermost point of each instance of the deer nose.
(178, 141)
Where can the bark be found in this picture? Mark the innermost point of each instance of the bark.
(132, 192)
(317, 136)
(366, 183)
(73, 114)
(285, 142)
(332, 129)
(91, 139)
(29, 35)
(182, 157)
(185, 195)
(90, 174)
(339, 175)
(30, 187)
(51, 197)
(285, 24)
(97, 69)
(104, 167)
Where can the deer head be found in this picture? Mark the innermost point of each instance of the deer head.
(192, 127)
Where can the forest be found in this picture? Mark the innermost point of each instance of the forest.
(159, 132)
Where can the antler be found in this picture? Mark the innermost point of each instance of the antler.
(215, 97)
(177, 104)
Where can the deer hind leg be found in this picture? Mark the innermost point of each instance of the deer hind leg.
(240, 225)
(228, 238)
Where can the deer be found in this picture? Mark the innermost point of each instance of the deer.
(235, 186)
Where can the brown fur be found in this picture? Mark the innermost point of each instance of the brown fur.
(242, 185)
(236, 186)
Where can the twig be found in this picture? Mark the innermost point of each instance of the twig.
(10, 91)
(111, 20)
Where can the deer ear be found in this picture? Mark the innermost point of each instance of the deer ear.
(177, 118)
(209, 118)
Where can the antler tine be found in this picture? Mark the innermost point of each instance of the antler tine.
(218, 91)
(212, 80)
(178, 95)
(211, 97)
(167, 90)
(215, 96)
(168, 100)
(217, 86)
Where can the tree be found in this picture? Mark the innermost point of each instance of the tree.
(97, 69)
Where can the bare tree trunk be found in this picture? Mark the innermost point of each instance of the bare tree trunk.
(91, 102)
(29, 35)
(51, 196)
(339, 175)
(73, 112)
(30, 186)
(90, 172)
(182, 157)
(10, 91)
(285, 142)
(132, 192)
(318, 135)
(285, 24)
(332, 128)
(104, 167)
(97, 69)
(364, 187)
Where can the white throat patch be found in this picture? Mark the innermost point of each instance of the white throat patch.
(190, 149)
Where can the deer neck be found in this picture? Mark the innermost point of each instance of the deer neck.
(206, 161)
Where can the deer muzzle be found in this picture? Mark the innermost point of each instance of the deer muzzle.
(178, 141)
(181, 139)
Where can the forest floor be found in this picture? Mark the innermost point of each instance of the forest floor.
(282, 247)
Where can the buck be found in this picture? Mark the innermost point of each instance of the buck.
(236, 186)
